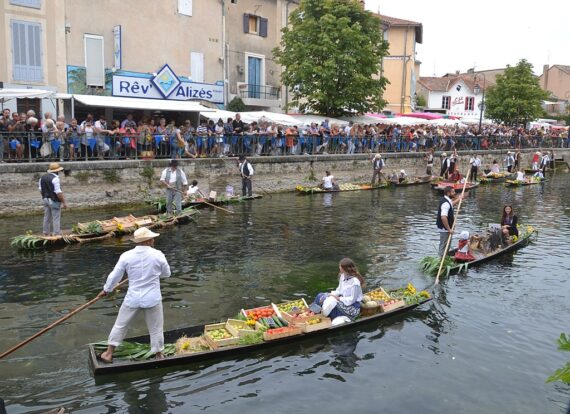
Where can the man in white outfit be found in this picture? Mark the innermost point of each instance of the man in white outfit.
(144, 266)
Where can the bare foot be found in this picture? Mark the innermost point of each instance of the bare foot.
(159, 355)
(105, 357)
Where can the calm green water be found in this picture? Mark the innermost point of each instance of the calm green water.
(486, 343)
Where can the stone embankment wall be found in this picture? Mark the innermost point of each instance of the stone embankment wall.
(106, 183)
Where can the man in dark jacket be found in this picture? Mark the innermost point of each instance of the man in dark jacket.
(53, 199)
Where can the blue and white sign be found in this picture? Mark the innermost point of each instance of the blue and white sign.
(117, 47)
(166, 85)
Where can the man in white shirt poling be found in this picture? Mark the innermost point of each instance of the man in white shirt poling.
(176, 183)
(144, 266)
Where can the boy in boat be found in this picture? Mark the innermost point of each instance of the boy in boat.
(463, 254)
(194, 192)
(145, 266)
(328, 182)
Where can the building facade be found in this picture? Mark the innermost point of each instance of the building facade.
(556, 80)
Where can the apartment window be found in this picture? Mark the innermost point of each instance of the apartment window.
(36, 4)
(469, 103)
(26, 51)
(255, 25)
(197, 66)
(185, 7)
(94, 60)
(446, 102)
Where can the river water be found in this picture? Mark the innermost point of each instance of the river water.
(486, 344)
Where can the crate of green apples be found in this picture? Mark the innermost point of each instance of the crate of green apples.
(218, 335)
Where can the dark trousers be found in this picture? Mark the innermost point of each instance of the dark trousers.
(246, 187)
(473, 173)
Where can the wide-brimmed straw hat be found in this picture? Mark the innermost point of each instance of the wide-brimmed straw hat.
(143, 234)
(54, 167)
(444, 154)
(377, 156)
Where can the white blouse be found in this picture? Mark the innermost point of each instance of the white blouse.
(348, 290)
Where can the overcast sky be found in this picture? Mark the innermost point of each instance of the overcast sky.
(485, 34)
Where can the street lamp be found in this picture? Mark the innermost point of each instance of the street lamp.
(477, 89)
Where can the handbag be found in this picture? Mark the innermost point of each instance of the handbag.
(45, 150)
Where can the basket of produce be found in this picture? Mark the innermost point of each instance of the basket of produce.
(316, 323)
(371, 302)
(218, 336)
(278, 333)
(290, 306)
(185, 345)
(239, 328)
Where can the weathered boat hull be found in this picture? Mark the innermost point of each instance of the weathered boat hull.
(101, 368)
(317, 190)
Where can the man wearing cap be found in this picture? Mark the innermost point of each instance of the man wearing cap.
(445, 166)
(377, 165)
(176, 184)
(144, 266)
(246, 171)
(53, 199)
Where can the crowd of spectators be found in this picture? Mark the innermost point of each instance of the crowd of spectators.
(25, 137)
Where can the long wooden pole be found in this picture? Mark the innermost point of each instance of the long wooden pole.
(54, 324)
(205, 202)
(452, 226)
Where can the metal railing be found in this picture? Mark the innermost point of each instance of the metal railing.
(37, 146)
(248, 90)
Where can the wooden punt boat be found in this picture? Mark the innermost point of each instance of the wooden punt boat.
(481, 257)
(531, 181)
(440, 187)
(341, 188)
(100, 230)
(100, 368)
(204, 202)
(495, 178)
(412, 181)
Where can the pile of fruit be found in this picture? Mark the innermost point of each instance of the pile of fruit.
(285, 329)
(255, 314)
(377, 295)
(303, 315)
(219, 334)
(293, 306)
(315, 320)
(348, 186)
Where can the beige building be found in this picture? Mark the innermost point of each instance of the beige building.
(556, 80)
(401, 66)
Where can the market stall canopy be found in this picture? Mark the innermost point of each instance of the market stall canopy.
(447, 122)
(476, 121)
(308, 119)
(7, 94)
(423, 115)
(403, 121)
(365, 119)
(254, 116)
(136, 103)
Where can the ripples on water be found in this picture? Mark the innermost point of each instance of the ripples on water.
(485, 345)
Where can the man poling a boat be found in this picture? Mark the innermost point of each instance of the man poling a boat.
(145, 266)
(377, 166)
(246, 171)
(53, 199)
(445, 166)
(445, 217)
(175, 182)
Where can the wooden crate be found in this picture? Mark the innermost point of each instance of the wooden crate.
(279, 311)
(378, 290)
(291, 319)
(245, 311)
(323, 324)
(398, 304)
(291, 330)
(243, 329)
(222, 342)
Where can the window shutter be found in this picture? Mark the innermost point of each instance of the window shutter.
(466, 103)
(197, 66)
(26, 51)
(246, 23)
(94, 64)
(263, 27)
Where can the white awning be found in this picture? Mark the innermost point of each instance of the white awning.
(308, 119)
(6, 94)
(255, 116)
(136, 103)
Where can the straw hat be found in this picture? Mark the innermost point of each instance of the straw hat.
(444, 154)
(143, 234)
(54, 167)
(377, 156)
(402, 171)
(464, 235)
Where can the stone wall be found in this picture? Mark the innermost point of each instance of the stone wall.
(98, 183)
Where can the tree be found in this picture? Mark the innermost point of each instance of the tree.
(331, 56)
(516, 97)
(236, 105)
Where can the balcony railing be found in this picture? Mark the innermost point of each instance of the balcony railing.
(251, 91)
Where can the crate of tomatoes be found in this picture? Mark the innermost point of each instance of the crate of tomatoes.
(283, 332)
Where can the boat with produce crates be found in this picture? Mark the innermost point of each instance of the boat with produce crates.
(191, 344)
(98, 230)
(199, 202)
(440, 187)
(412, 181)
(302, 190)
(530, 181)
(492, 178)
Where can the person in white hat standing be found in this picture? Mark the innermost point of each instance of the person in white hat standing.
(53, 199)
(144, 266)
(377, 165)
(510, 160)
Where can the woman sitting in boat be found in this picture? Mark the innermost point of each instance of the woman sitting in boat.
(344, 301)
(509, 222)
(539, 175)
(463, 254)
(455, 177)
(495, 169)
(520, 176)
(328, 182)
(194, 192)
(393, 178)
(402, 176)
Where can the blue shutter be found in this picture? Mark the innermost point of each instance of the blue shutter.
(246, 23)
(26, 51)
(263, 27)
(36, 4)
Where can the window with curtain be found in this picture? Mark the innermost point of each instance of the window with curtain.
(26, 51)
(94, 60)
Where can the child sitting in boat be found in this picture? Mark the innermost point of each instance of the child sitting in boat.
(455, 176)
(328, 182)
(495, 169)
(193, 191)
(520, 176)
(342, 304)
(463, 254)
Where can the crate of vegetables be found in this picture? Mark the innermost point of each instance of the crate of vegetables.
(291, 306)
(392, 304)
(256, 313)
(298, 317)
(372, 302)
(316, 323)
(239, 328)
(278, 333)
(218, 336)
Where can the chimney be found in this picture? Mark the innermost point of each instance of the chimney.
(545, 70)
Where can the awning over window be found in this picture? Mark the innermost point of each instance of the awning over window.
(7, 94)
(144, 104)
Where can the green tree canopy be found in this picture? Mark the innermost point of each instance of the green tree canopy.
(516, 97)
(331, 56)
